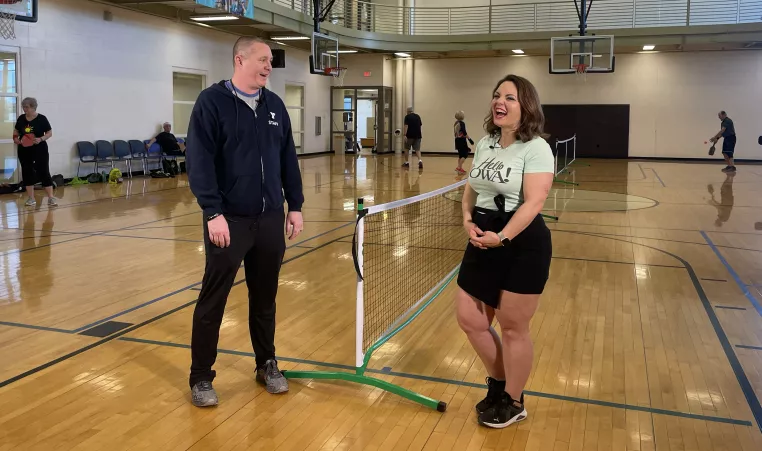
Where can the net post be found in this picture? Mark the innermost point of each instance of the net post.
(359, 308)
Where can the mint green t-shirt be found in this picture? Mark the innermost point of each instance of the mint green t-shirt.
(500, 171)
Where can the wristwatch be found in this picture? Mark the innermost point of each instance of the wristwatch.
(209, 218)
(503, 240)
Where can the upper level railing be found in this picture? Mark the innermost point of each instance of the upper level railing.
(529, 17)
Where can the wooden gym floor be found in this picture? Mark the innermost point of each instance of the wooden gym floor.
(649, 336)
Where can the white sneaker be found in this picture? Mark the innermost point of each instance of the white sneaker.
(30, 202)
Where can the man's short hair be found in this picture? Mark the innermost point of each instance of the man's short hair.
(244, 43)
(409, 109)
(723, 113)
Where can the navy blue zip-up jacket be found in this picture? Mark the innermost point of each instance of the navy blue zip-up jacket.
(239, 163)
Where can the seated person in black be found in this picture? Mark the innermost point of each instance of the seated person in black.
(168, 142)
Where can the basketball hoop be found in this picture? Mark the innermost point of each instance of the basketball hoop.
(337, 73)
(581, 70)
(8, 20)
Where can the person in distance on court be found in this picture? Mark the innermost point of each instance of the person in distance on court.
(506, 263)
(30, 134)
(413, 135)
(728, 134)
(167, 141)
(242, 166)
(461, 136)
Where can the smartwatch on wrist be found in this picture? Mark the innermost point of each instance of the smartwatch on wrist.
(209, 218)
(503, 240)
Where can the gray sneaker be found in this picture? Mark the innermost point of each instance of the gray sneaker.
(272, 378)
(52, 202)
(30, 202)
(203, 395)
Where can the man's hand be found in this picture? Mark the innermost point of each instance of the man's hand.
(294, 224)
(219, 234)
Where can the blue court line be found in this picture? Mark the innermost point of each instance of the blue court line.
(188, 287)
(744, 288)
(388, 371)
(758, 348)
(729, 307)
(656, 174)
(32, 326)
(735, 364)
(132, 309)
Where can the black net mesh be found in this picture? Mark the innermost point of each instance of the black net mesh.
(408, 250)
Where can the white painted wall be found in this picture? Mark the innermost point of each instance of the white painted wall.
(113, 80)
(674, 97)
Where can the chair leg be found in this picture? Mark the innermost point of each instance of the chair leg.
(78, 165)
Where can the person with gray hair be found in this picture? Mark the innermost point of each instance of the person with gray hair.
(167, 141)
(30, 134)
(461, 136)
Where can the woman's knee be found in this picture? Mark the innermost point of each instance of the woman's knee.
(473, 316)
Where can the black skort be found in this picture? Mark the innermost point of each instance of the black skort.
(522, 267)
(461, 145)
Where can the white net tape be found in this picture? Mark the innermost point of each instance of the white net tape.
(8, 25)
(338, 76)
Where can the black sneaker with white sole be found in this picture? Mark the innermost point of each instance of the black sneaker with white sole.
(504, 413)
(495, 390)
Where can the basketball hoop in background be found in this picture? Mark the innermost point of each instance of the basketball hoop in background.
(581, 71)
(8, 20)
(337, 73)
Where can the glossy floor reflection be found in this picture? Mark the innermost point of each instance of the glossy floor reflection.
(649, 335)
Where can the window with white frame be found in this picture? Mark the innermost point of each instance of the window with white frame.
(295, 108)
(186, 86)
(10, 104)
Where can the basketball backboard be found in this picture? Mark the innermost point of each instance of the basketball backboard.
(595, 52)
(325, 53)
(25, 10)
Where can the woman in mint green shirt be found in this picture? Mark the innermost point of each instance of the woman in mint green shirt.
(507, 261)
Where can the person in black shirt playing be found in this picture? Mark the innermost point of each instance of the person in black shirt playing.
(728, 134)
(167, 142)
(413, 136)
(31, 132)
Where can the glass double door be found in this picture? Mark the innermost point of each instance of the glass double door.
(361, 119)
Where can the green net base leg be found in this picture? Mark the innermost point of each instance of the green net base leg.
(555, 180)
(440, 406)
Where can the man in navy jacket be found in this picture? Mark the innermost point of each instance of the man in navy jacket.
(241, 164)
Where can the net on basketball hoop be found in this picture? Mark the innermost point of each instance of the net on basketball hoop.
(337, 73)
(8, 19)
(581, 70)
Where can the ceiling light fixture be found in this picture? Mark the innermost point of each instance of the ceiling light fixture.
(518, 51)
(649, 47)
(402, 54)
(290, 38)
(213, 18)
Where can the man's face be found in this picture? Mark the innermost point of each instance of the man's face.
(167, 128)
(256, 64)
(721, 116)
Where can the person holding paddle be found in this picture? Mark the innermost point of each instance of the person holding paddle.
(31, 132)
(728, 133)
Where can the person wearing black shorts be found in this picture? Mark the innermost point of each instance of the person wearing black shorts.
(506, 263)
(728, 134)
(461, 139)
(30, 134)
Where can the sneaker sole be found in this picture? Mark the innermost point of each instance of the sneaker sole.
(205, 405)
(269, 390)
(518, 418)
